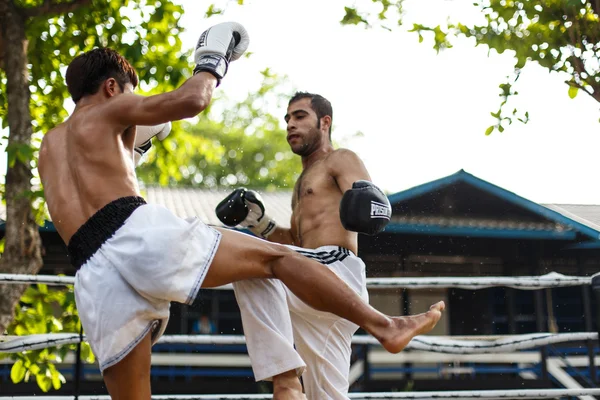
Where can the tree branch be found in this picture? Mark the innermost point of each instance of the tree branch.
(595, 6)
(584, 88)
(50, 9)
(1, 51)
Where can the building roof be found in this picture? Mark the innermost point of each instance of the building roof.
(551, 213)
(191, 202)
(587, 214)
(561, 220)
(187, 203)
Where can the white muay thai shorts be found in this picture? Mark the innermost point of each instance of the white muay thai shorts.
(133, 259)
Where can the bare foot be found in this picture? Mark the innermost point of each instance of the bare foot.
(395, 338)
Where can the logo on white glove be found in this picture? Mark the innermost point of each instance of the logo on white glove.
(202, 40)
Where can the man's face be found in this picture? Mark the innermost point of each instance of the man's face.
(303, 129)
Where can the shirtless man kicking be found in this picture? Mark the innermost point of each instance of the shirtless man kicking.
(134, 258)
(333, 199)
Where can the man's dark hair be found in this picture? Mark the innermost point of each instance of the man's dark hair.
(320, 105)
(88, 70)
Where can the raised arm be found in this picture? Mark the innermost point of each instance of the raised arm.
(364, 207)
(187, 101)
(225, 43)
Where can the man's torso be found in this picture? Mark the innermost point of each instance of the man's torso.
(315, 209)
(84, 164)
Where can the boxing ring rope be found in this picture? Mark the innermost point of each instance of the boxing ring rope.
(456, 395)
(548, 281)
(437, 344)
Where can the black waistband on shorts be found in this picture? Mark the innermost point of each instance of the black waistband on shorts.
(326, 257)
(100, 227)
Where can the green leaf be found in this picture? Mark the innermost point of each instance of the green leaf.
(35, 369)
(86, 353)
(489, 130)
(56, 377)
(352, 17)
(43, 289)
(213, 10)
(573, 91)
(30, 295)
(17, 372)
(44, 382)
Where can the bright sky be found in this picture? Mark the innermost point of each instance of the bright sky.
(423, 115)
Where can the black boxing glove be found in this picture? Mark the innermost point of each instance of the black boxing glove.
(232, 209)
(245, 208)
(365, 209)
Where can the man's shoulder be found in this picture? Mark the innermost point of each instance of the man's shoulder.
(55, 130)
(341, 159)
(342, 155)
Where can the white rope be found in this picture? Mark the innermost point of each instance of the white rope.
(505, 345)
(550, 280)
(455, 395)
(436, 344)
(15, 344)
(45, 279)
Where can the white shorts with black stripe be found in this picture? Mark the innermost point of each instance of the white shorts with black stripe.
(283, 333)
(129, 277)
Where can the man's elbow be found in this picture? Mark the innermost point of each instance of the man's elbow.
(193, 106)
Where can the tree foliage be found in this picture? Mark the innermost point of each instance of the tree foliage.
(235, 143)
(559, 35)
(147, 34)
(43, 310)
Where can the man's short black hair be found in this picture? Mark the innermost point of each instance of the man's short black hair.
(88, 70)
(320, 105)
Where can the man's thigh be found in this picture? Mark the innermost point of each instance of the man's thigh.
(241, 256)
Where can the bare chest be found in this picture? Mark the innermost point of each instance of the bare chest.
(314, 183)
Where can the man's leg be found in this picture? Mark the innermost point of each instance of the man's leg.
(129, 379)
(287, 386)
(324, 342)
(268, 330)
(241, 256)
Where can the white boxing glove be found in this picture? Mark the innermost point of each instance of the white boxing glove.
(257, 220)
(143, 138)
(218, 46)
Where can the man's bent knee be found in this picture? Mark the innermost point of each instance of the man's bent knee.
(277, 255)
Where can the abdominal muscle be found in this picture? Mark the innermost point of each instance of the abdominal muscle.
(317, 223)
